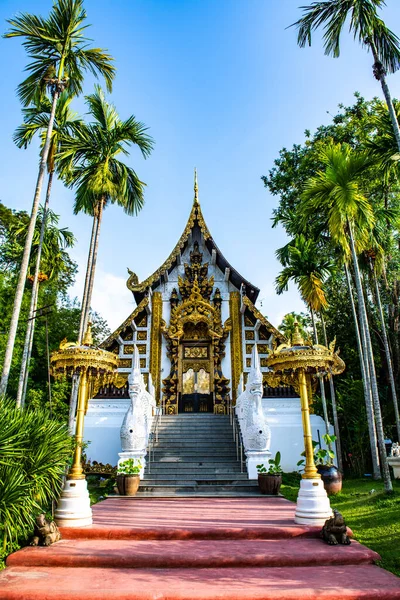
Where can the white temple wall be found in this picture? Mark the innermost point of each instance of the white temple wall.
(284, 419)
(103, 422)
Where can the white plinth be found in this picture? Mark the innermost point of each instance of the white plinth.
(136, 455)
(394, 462)
(73, 509)
(256, 458)
(313, 506)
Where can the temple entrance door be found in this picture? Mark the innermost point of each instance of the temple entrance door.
(196, 396)
(196, 376)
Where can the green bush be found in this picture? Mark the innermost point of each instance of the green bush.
(34, 450)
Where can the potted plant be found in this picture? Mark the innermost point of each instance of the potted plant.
(128, 476)
(323, 457)
(270, 476)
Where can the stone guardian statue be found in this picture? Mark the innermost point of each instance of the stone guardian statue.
(255, 431)
(136, 426)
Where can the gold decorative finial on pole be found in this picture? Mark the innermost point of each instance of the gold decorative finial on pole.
(88, 338)
(196, 188)
(297, 339)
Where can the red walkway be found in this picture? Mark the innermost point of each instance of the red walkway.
(195, 549)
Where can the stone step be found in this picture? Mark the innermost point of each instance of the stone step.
(199, 416)
(161, 554)
(332, 582)
(187, 432)
(196, 447)
(211, 459)
(160, 458)
(211, 488)
(203, 469)
(196, 433)
(194, 477)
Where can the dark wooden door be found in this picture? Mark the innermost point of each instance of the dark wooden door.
(195, 403)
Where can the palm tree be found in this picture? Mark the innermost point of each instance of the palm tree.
(60, 56)
(366, 379)
(307, 267)
(36, 121)
(375, 260)
(366, 26)
(336, 193)
(89, 161)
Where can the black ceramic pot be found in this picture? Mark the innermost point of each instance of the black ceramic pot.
(269, 484)
(332, 478)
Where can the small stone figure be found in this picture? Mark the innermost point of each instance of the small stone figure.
(334, 531)
(46, 532)
(395, 450)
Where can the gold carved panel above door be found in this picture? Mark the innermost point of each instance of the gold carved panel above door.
(195, 352)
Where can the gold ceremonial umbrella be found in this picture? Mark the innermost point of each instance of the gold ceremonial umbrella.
(299, 365)
(94, 367)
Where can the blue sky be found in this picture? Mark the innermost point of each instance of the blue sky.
(223, 87)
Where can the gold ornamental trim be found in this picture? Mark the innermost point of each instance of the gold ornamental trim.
(76, 359)
(140, 307)
(277, 334)
(195, 215)
(155, 342)
(236, 340)
(313, 359)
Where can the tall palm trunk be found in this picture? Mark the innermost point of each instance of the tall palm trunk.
(380, 75)
(26, 353)
(27, 250)
(93, 265)
(334, 406)
(366, 338)
(369, 407)
(321, 379)
(387, 352)
(87, 278)
(86, 301)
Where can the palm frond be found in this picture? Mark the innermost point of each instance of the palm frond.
(59, 49)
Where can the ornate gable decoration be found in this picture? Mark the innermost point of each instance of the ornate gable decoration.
(196, 271)
(195, 216)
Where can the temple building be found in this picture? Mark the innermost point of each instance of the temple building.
(195, 325)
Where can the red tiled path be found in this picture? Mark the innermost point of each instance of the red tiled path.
(195, 549)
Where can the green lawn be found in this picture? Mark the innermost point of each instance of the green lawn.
(374, 517)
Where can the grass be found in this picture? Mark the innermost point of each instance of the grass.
(373, 516)
(99, 488)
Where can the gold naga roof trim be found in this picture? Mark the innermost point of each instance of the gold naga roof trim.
(140, 307)
(196, 216)
(263, 320)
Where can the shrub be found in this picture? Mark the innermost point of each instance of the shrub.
(34, 450)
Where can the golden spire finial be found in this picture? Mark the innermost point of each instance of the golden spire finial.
(196, 188)
(88, 338)
(297, 340)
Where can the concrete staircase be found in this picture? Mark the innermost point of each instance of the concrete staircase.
(195, 455)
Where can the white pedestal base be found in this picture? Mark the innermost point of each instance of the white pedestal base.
(73, 509)
(256, 458)
(394, 462)
(136, 455)
(313, 506)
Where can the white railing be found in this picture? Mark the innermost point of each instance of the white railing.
(237, 434)
(153, 437)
